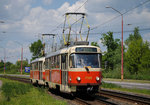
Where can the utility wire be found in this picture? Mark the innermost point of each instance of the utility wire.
(120, 15)
(137, 6)
(81, 6)
(143, 29)
(126, 31)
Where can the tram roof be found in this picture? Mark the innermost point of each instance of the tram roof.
(38, 59)
(66, 50)
(61, 51)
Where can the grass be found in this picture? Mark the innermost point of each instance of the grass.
(110, 85)
(117, 87)
(16, 93)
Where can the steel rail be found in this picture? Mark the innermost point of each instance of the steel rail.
(25, 80)
(127, 96)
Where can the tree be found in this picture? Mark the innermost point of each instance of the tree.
(36, 49)
(138, 53)
(133, 37)
(134, 55)
(8, 64)
(145, 60)
(113, 49)
(24, 64)
(1, 66)
(94, 44)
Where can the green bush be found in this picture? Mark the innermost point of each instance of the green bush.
(111, 73)
(116, 73)
(13, 89)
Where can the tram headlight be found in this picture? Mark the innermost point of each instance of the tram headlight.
(70, 78)
(97, 79)
(78, 79)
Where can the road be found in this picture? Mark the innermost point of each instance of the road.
(131, 84)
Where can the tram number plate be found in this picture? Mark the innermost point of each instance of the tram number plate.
(88, 77)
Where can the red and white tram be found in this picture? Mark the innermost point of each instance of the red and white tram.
(73, 69)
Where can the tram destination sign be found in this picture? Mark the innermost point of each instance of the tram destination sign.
(86, 49)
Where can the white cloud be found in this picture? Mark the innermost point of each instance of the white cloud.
(40, 20)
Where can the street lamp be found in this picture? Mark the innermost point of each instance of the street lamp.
(21, 54)
(4, 57)
(121, 42)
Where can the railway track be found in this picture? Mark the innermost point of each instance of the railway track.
(137, 99)
(25, 80)
(94, 102)
(105, 97)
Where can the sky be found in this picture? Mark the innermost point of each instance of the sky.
(24, 21)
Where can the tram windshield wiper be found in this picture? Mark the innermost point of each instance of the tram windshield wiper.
(87, 69)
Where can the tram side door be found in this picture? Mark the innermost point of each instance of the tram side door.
(40, 70)
(64, 74)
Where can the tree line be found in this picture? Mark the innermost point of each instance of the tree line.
(13, 68)
(136, 56)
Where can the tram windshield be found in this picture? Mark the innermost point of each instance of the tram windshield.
(85, 60)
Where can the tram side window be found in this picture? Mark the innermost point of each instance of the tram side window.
(64, 61)
(57, 62)
(40, 66)
(36, 65)
(49, 63)
(71, 61)
(33, 66)
(53, 62)
(55, 59)
(46, 63)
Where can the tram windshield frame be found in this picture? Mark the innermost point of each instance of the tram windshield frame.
(82, 60)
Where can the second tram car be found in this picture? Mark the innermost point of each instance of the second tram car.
(73, 69)
(37, 73)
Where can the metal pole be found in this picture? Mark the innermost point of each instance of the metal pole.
(21, 58)
(121, 41)
(4, 59)
(122, 52)
(21, 55)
